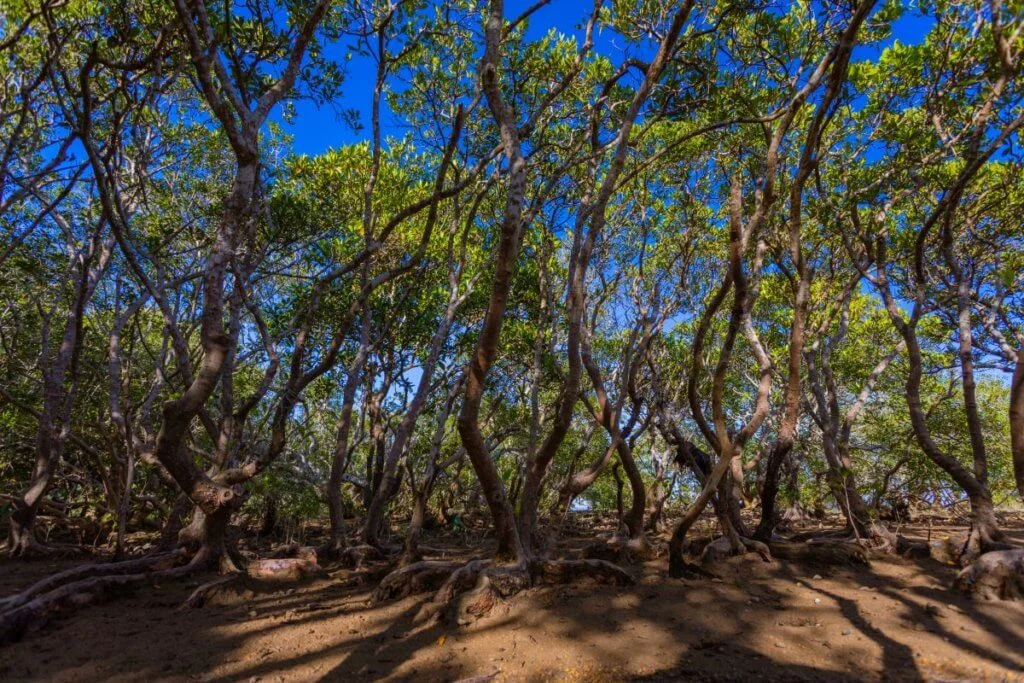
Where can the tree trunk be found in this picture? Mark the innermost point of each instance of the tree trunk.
(1017, 421)
(339, 461)
(770, 490)
(634, 519)
(22, 540)
(55, 416)
(510, 238)
(676, 546)
(581, 481)
(389, 480)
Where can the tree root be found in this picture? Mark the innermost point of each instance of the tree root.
(456, 603)
(467, 591)
(149, 563)
(80, 587)
(997, 575)
(34, 550)
(684, 563)
(261, 576)
(417, 553)
(32, 608)
(947, 550)
(201, 595)
(682, 569)
(352, 557)
(877, 539)
(822, 552)
(905, 547)
(721, 548)
(570, 571)
(817, 535)
(620, 549)
(963, 549)
(418, 577)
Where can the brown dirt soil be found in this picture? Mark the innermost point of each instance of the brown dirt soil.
(897, 620)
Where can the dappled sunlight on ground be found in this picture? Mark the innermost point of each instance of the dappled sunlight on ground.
(894, 621)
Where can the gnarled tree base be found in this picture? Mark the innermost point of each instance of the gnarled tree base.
(54, 581)
(415, 578)
(875, 538)
(714, 558)
(721, 548)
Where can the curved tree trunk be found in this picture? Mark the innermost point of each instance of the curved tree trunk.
(510, 238)
(676, 546)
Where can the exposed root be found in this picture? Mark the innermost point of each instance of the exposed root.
(32, 608)
(948, 550)
(877, 538)
(353, 557)
(460, 580)
(201, 595)
(31, 549)
(467, 591)
(620, 549)
(416, 554)
(571, 571)
(721, 548)
(997, 575)
(684, 563)
(688, 570)
(261, 576)
(963, 549)
(148, 563)
(32, 615)
(292, 550)
(455, 604)
(906, 548)
(818, 535)
(424, 550)
(418, 577)
(822, 552)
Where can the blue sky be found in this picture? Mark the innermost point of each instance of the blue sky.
(318, 128)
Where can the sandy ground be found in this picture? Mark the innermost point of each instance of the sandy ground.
(758, 621)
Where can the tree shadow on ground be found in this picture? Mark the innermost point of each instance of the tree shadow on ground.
(757, 622)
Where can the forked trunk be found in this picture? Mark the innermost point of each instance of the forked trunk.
(207, 536)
